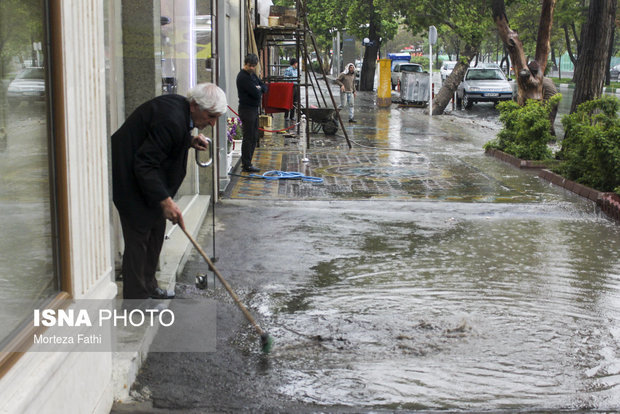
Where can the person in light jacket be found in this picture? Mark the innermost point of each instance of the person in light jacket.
(346, 80)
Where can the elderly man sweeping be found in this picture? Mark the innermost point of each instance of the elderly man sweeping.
(149, 159)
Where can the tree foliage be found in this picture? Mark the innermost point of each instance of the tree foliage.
(21, 23)
(526, 129)
(591, 146)
(373, 19)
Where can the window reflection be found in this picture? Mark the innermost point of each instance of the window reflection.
(26, 254)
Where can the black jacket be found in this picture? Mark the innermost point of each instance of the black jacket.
(249, 94)
(149, 157)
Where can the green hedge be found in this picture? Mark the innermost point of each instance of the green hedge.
(590, 151)
(526, 131)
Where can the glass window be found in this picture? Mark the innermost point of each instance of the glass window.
(27, 269)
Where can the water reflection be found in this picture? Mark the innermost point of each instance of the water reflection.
(26, 263)
(479, 308)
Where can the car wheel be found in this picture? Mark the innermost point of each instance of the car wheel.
(467, 103)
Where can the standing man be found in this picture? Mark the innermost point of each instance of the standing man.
(291, 74)
(346, 80)
(250, 89)
(149, 158)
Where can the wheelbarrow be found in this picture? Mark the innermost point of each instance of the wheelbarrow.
(322, 118)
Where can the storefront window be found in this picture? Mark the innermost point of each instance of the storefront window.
(186, 59)
(27, 270)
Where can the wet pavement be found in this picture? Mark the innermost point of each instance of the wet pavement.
(421, 275)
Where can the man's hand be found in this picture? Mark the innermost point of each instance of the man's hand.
(199, 143)
(172, 212)
(342, 88)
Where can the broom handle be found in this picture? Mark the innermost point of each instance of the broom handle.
(223, 282)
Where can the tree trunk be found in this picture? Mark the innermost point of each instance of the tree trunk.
(529, 86)
(609, 55)
(448, 87)
(592, 60)
(569, 47)
(367, 77)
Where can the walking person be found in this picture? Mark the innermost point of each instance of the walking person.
(149, 159)
(346, 80)
(291, 74)
(250, 89)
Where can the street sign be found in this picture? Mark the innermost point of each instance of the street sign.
(432, 35)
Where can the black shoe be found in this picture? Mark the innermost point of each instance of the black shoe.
(352, 121)
(159, 293)
(250, 168)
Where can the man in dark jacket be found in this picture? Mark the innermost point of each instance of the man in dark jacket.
(250, 89)
(149, 158)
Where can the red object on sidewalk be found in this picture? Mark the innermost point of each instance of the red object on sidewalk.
(279, 97)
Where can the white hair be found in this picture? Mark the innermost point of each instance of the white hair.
(209, 97)
(346, 68)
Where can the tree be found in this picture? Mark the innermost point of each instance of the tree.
(375, 20)
(378, 21)
(529, 84)
(569, 16)
(455, 19)
(592, 63)
(20, 25)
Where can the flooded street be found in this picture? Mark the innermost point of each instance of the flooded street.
(434, 278)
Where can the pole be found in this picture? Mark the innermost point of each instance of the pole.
(430, 82)
(432, 39)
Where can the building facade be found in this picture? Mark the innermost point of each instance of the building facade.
(71, 71)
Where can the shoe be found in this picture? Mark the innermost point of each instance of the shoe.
(250, 168)
(292, 118)
(352, 121)
(159, 293)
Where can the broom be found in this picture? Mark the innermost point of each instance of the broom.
(266, 340)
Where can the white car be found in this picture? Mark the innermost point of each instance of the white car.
(28, 86)
(483, 84)
(403, 67)
(446, 69)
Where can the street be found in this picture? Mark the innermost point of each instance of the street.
(421, 275)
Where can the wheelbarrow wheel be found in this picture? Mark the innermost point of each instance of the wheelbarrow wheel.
(330, 127)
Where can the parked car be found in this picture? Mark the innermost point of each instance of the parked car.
(614, 73)
(28, 86)
(446, 69)
(483, 84)
(403, 67)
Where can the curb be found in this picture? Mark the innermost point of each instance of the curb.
(608, 202)
(514, 161)
(606, 89)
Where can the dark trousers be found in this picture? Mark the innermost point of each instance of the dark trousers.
(249, 120)
(291, 114)
(141, 256)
